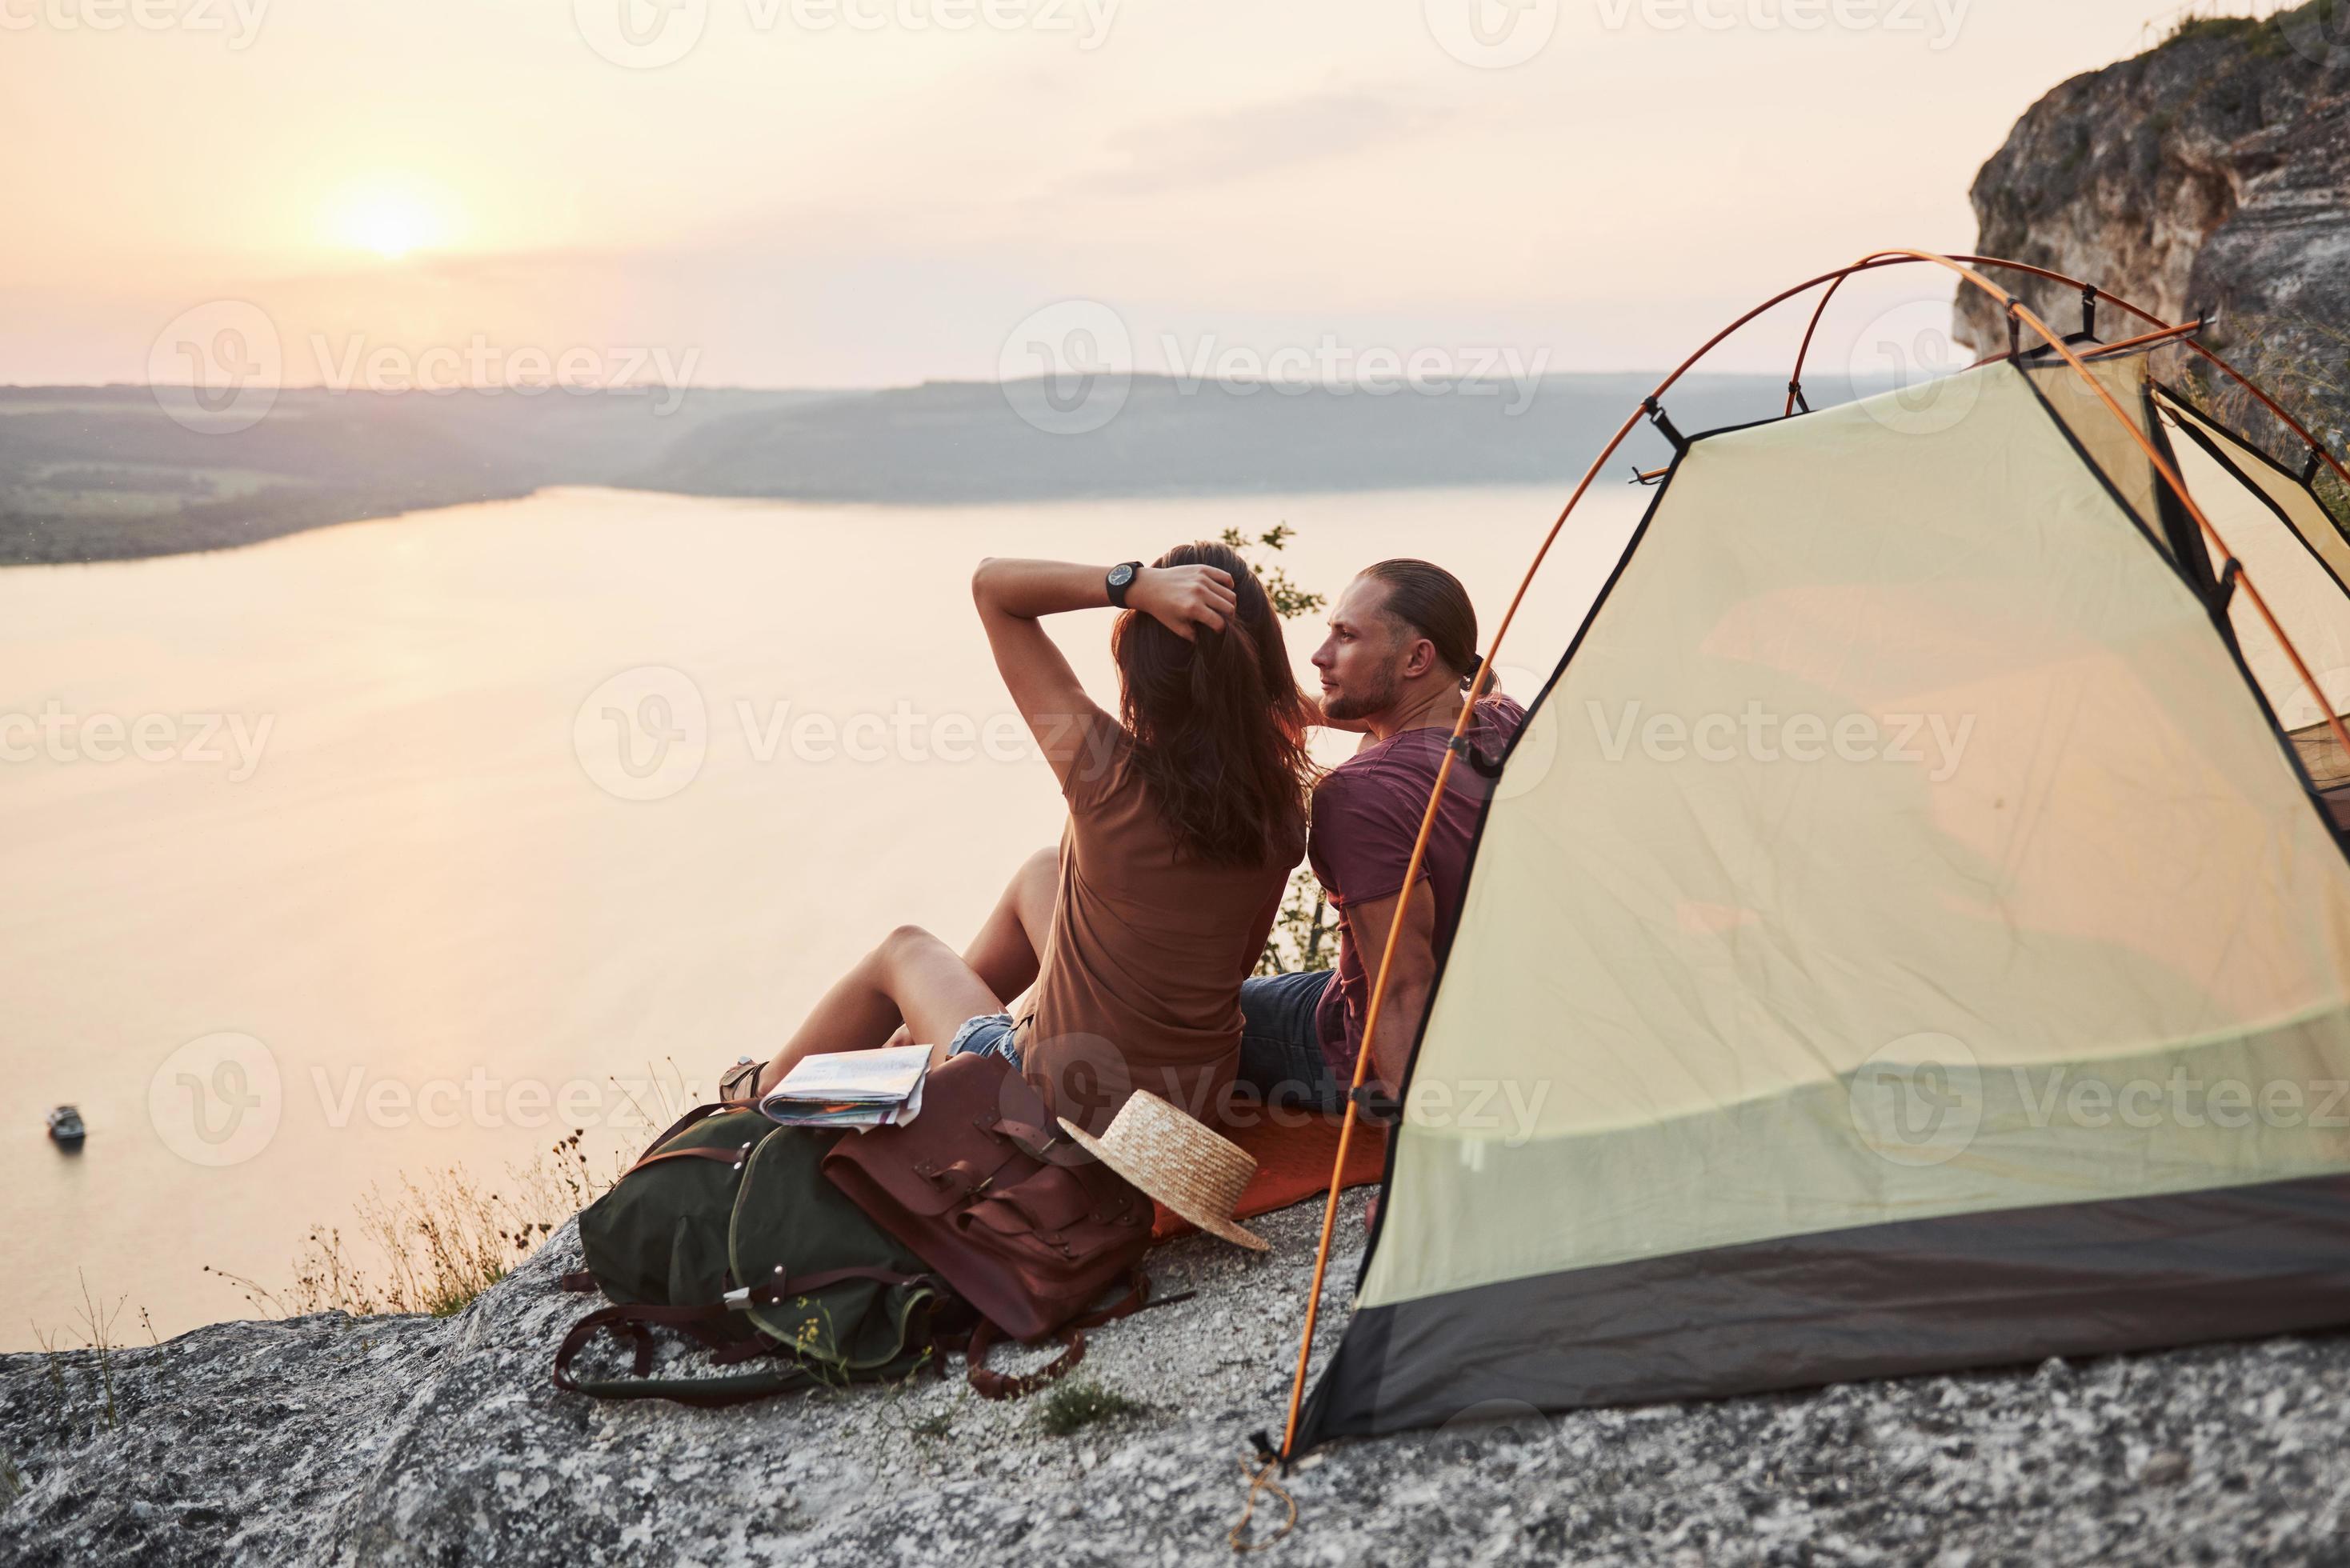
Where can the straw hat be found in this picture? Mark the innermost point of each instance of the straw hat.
(1176, 1160)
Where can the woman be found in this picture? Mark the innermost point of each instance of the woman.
(1186, 812)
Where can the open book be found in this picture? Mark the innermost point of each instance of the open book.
(851, 1089)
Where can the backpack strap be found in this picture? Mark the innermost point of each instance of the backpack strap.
(699, 1113)
(635, 1323)
(989, 1383)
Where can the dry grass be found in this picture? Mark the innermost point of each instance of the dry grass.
(433, 1244)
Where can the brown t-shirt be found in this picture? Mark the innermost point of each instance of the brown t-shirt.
(1141, 983)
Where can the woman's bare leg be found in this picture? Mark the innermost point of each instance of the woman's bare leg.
(912, 977)
(1011, 944)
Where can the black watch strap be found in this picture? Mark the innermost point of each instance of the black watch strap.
(1120, 578)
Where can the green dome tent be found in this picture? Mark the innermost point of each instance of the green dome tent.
(1911, 931)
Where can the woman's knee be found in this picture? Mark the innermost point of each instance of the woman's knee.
(905, 941)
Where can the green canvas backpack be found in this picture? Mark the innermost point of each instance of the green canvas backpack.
(726, 1229)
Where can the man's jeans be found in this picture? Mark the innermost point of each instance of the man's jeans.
(1281, 1051)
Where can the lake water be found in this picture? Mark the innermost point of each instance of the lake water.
(387, 846)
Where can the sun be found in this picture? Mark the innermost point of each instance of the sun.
(390, 220)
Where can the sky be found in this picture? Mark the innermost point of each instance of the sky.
(875, 193)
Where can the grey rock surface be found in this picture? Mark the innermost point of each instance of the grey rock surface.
(327, 1440)
(2212, 172)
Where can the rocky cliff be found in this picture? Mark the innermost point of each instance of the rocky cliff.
(2210, 172)
(417, 1440)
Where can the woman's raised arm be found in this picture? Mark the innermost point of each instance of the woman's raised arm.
(1012, 594)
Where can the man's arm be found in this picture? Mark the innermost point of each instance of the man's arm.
(1410, 974)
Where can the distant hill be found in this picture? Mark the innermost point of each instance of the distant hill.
(100, 473)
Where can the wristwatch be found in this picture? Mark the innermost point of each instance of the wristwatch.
(1120, 578)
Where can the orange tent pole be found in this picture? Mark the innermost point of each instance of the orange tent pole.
(2161, 466)
(1900, 258)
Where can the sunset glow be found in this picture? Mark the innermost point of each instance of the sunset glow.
(389, 221)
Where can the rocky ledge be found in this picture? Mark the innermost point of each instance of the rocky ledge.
(2212, 173)
(327, 1439)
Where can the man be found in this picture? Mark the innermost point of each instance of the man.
(1396, 666)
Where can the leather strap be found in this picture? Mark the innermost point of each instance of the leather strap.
(631, 1321)
(724, 1156)
(991, 1384)
(699, 1113)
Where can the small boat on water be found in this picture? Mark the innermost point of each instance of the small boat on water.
(66, 1127)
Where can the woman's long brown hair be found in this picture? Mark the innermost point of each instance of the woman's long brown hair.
(1219, 727)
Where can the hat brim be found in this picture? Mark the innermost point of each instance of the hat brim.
(1213, 1224)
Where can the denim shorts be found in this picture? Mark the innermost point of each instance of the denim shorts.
(989, 1034)
(1282, 1064)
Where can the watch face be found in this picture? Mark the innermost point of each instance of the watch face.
(1120, 576)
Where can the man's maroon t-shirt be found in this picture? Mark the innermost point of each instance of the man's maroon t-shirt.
(1366, 815)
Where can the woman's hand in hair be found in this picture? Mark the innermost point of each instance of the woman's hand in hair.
(1182, 597)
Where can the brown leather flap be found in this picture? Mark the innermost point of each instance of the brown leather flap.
(1051, 1200)
(957, 1147)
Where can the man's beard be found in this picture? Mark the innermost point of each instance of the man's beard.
(1362, 704)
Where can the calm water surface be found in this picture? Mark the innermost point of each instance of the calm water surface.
(443, 823)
